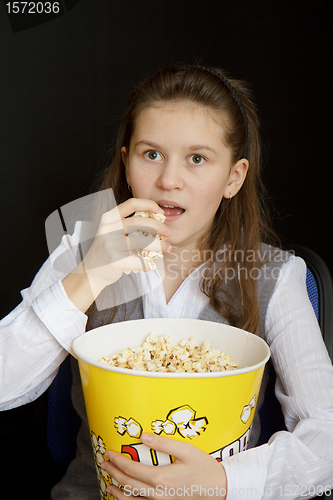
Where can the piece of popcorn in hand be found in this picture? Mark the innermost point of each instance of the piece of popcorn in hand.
(151, 215)
(148, 255)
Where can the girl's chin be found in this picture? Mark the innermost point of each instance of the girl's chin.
(188, 243)
(179, 243)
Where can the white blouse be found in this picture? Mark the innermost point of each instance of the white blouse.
(36, 337)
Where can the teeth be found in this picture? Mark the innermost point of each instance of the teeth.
(167, 206)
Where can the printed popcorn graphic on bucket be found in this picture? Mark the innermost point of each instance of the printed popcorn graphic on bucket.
(131, 426)
(212, 411)
(99, 450)
(181, 419)
(246, 412)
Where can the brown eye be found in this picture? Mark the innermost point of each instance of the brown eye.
(152, 155)
(197, 159)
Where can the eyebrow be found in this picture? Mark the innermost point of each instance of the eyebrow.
(202, 146)
(192, 148)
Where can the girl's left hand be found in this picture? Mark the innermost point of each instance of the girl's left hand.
(194, 474)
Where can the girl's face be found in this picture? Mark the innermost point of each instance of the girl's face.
(178, 159)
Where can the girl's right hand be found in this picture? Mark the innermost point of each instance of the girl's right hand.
(111, 252)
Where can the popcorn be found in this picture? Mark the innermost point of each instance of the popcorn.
(151, 215)
(148, 255)
(157, 354)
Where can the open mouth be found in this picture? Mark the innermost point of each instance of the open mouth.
(171, 210)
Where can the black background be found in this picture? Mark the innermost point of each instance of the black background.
(64, 85)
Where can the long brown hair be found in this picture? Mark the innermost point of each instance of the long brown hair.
(240, 224)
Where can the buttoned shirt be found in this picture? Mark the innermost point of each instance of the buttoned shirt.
(37, 336)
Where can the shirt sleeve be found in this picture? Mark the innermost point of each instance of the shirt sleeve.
(37, 336)
(297, 464)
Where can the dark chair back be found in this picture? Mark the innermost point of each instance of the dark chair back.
(319, 277)
(319, 287)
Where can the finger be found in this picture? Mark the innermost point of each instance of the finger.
(130, 206)
(137, 223)
(139, 241)
(119, 244)
(139, 205)
(118, 494)
(131, 486)
(147, 247)
(134, 470)
(119, 250)
(107, 248)
(133, 263)
(185, 452)
(110, 224)
(146, 229)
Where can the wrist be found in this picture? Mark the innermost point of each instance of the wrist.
(79, 288)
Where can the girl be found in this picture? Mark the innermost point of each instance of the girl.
(188, 147)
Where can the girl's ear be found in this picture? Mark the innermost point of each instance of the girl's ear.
(236, 178)
(124, 156)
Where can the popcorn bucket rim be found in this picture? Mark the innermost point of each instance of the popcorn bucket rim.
(78, 352)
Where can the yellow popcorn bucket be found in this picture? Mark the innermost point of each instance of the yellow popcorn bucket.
(213, 411)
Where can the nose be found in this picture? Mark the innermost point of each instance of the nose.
(170, 176)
